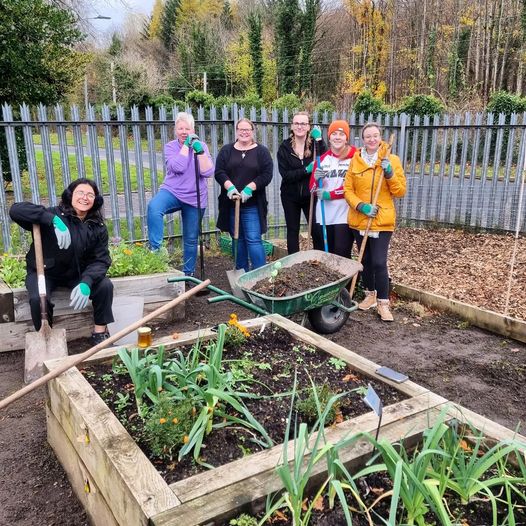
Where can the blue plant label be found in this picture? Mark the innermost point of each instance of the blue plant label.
(373, 400)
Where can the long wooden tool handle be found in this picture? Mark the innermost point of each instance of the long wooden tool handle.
(41, 279)
(78, 358)
(370, 220)
(236, 218)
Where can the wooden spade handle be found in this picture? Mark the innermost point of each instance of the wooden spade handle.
(71, 361)
(370, 220)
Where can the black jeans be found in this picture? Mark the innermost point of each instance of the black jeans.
(292, 207)
(375, 275)
(339, 239)
(101, 297)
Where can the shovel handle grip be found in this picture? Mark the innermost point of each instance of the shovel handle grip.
(39, 259)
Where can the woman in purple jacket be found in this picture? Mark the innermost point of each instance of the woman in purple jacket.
(179, 192)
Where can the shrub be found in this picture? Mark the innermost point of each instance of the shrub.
(288, 102)
(507, 103)
(250, 100)
(325, 106)
(224, 100)
(162, 100)
(198, 98)
(421, 105)
(367, 103)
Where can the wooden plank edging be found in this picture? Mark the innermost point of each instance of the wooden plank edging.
(84, 487)
(115, 461)
(485, 319)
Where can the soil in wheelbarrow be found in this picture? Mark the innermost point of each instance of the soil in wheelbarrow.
(266, 365)
(297, 278)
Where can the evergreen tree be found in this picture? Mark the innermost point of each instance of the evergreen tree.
(256, 51)
(168, 21)
(308, 32)
(288, 43)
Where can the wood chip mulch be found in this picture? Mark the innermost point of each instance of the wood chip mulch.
(470, 267)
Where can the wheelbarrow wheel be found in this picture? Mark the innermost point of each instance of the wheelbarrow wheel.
(329, 319)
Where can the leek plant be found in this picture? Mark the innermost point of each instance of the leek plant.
(310, 447)
(198, 377)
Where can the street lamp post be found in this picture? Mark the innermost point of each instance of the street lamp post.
(86, 100)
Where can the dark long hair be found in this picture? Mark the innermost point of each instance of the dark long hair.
(95, 212)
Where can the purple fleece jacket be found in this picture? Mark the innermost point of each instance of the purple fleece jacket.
(180, 174)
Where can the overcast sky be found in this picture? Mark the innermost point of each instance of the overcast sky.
(118, 10)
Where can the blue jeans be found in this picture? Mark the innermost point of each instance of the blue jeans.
(250, 244)
(164, 202)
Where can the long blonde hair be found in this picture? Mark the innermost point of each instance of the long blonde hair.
(308, 141)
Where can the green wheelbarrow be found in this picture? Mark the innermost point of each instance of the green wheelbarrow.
(327, 307)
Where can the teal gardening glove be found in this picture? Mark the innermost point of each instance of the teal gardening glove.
(232, 193)
(316, 133)
(79, 296)
(309, 167)
(62, 233)
(246, 194)
(197, 146)
(190, 139)
(368, 209)
(323, 195)
(387, 168)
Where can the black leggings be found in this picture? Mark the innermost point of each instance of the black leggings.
(101, 297)
(339, 239)
(375, 275)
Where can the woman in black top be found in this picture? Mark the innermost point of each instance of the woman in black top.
(76, 254)
(244, 170)
(295, 161)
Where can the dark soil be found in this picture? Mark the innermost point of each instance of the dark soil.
(297, 278)
(272, 359)
(480, 370)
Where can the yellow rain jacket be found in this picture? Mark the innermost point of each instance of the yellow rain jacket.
(361, 181)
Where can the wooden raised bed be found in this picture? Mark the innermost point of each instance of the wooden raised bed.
(16, 321)
(117, 484)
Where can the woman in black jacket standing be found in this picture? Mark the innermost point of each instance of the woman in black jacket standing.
(295, 161)
(76, 255)
(244, 170)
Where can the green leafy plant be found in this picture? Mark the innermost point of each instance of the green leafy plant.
(337, 363)
(136, 259)
(13, 270)
(318, 398)
(295, 477)
(244, 520)
(167, 426)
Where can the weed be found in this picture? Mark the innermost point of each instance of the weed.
(463, 325)
(244, 520)
(309, 407)
(122, 402)
(337, 363)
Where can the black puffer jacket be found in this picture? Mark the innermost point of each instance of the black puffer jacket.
(294, 178)
(87, 259)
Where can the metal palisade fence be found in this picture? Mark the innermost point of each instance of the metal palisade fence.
(462, 170)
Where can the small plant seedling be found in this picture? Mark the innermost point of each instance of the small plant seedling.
(337, 363)
(244, 520)
(106, 378)
(122, 402)
(463, 325)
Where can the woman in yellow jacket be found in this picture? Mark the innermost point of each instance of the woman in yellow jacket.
(361, 182)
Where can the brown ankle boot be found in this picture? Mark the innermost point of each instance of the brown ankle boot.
(369, 301)
(384, 311)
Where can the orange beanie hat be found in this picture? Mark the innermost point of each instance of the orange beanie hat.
(340, 125)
